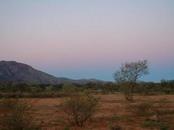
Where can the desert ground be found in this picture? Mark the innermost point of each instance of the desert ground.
(112, 109)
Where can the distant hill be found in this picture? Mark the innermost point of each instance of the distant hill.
(12, 71)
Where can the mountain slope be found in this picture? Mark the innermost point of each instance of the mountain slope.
(12, 71)
(22, 73)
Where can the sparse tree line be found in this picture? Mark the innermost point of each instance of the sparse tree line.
(25, 90)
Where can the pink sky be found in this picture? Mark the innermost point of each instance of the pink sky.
(62, 37)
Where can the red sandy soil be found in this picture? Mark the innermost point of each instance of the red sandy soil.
(49, 113)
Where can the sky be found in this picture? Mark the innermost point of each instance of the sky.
(89, 38)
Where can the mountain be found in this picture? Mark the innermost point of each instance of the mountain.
(12, 71)
(21, 73)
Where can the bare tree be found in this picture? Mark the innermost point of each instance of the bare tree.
(128, 75)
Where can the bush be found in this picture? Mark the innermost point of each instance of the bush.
(155, 124)
(155, 113)
(115, 127)
(70, 89)
(79, 108)
(114, 123)
(17, 115)
(145, 109)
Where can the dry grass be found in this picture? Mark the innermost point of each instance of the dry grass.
(112, 110)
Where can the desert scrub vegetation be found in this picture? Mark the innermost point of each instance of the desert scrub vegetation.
(152, 124)
(128, 74)
(155, 114)
(79, 107)
(16, 114)
(12, 90)
(114, 122)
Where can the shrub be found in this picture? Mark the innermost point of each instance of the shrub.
(154, 113)
(114, 123)
(145, 109)
(70, 89)
(128, 74)
(79, 108)
(115, 127)
(155, 124)
(17, 115)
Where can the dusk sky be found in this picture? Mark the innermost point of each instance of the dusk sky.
(89, 38)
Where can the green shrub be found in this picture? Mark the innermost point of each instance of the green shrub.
(155, 124)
